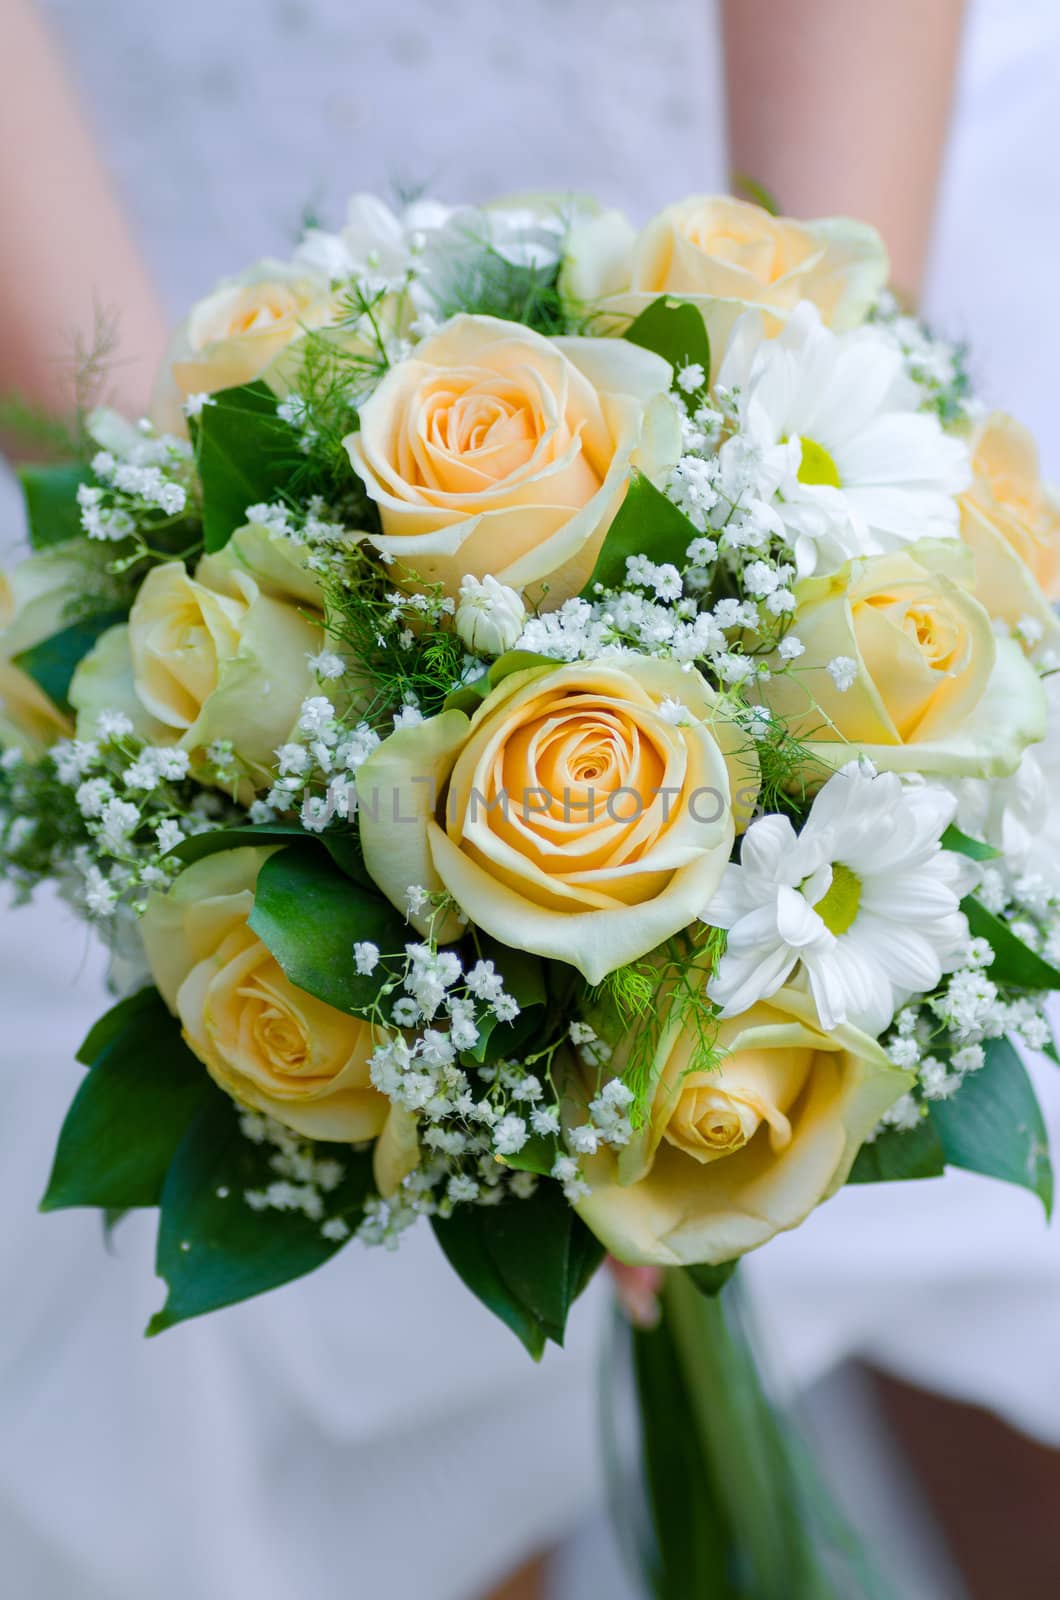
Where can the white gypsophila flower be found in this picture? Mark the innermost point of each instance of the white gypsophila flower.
(101, 898)
(92, 796)
(169, 834)
(905, 1115)
(408, 717)
(864, 898)
(843, 671)
(118, 820)
(326, 664)
(835, 417)
(316, 715)
(489, 616)
(365, 957)
(510, 1135)
(113, 725)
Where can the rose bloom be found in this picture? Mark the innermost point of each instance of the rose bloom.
(924, 685)
(725, 255)
(730, 1156)
(568, 816)
(236, 332)
(204, 658)
(493, 450)
(33, 606)
(1010, 520)
(271, 1046)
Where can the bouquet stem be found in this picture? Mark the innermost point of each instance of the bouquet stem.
(738, 1508)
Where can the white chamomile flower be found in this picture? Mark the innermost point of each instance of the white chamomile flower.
(1019, 815)
(862, 470)
(864, 897)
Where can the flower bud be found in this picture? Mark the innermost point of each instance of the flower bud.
(490, 617)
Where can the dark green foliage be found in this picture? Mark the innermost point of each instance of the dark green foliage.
(527, 1260)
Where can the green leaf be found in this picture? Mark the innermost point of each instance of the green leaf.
(994, 1124)
(50, 495)
(52, 663)
(1015, 964)
(469, 696)
(693, 1541)
(527, 1260)
(756, 192)
(712, 1280)
(954, 839)
(245, 455)
(647, 524)
(310, 916)
(129, 1115)
(896, 1155)
(466, 1248)
(144, 1008)
(213, 1248)
(676, 331)
(537, 1155)
(341, 844)
(112, 1216)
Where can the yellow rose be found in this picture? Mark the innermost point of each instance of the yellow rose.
(204, 658)
(724, 255)
(918, 680)
(235, 333)
(268, 1044)
(278, 565)
(730, 1156)
(569, 816)
(33, 606)
(1010, 520)
(493, 450)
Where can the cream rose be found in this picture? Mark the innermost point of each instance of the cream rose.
(268, 1044)
(569, 816)
(732, 1155)
(495, 451)
(901, 663)
(724, 255)
(1010, 521)
(235, 333)
(33, 606)
(204, 658)
(278, 564)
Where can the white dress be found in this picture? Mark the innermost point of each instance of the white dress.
(370, 1430)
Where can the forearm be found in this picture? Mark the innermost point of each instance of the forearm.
(841, 107)
(68, 258)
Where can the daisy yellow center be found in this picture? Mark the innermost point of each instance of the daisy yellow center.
(817, 466)
(838, 907)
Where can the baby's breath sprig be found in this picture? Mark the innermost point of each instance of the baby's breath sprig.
(636, 1007)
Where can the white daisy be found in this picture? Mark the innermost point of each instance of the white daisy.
(1018, 815)
(835, 414)
(864, 897)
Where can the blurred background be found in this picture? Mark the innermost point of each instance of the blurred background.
(370, 1430)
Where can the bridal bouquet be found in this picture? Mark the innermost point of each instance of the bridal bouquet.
(554, 724)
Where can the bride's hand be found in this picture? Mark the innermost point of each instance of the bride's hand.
(638, 1292)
